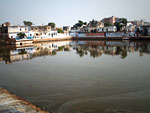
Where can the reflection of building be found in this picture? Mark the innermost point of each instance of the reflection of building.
(113, 48)
(92, 48)
(10, 55)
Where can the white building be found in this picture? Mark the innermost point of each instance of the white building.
(145, 30)
(14, 30)
(107, 29)
(130, 27)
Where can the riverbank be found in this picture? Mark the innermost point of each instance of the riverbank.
(112, 38)
(30, 42)
(10, 103)
(52, 39)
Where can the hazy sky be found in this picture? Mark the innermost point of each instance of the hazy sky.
(68, 12)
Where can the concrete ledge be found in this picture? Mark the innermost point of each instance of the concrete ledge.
(10, 103)
(52, 39)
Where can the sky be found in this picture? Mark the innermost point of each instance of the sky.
(68, 12)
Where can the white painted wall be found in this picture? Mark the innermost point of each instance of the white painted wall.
(105, 29)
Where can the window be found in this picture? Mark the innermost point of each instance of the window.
(20, 29)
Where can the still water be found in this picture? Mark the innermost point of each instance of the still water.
(80, 76)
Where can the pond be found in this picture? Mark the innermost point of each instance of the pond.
(80, 76)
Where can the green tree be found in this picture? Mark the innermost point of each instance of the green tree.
(107, 24)
(124, 21)
(79, 24)
(21, 35)
(59, 30)
(27, 23)
(119, 26)
(52, 24)
(85, 23)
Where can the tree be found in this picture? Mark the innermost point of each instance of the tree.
(107, 24)
(124, 21)
(21, 35)
(27, 23)
(85, 23)
(59, 30)
(52, 24)
(119, 26)
(79, 24)
(93, 23)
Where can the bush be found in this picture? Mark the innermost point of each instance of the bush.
(60, 30)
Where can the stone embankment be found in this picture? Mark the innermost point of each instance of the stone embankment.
(10, 103)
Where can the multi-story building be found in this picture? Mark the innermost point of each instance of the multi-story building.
(12, 30)
(42, 31)
(111, 20)
(92, 26)
(138, 23)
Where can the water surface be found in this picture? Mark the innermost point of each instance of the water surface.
(80, 76)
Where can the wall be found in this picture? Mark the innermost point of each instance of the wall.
(90, 35)
(18, 29)
(107, 29)
(120, 34)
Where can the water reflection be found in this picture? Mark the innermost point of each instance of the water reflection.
(13, 54)
(94, 49)
(80, 76)
(113, 48)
